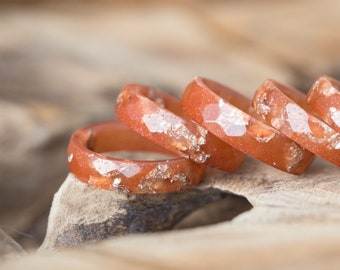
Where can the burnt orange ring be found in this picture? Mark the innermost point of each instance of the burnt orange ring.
(224, 112)
(324, 98)
(88, 163)
(285, 108)
(157, 116)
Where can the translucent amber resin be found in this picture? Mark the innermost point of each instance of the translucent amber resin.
(158, 117)
(324, 99)
(285, 108)
(225, 113)
(88, 163)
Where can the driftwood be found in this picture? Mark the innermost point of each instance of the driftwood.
(294, 224)
(83, 214)
(61, 66)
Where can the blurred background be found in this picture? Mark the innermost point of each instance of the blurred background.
(62, 64)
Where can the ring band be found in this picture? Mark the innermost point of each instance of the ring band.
(88, 164)
(324, 99)
(224, 112)
(158, 117)
(285, 108)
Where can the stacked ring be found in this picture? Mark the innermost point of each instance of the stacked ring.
(324, 99)
(158, 117)
(285, 108)
(225, 113)
(88, 163)
(212, 125)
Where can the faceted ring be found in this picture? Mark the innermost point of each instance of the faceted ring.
(324, 98)
(285, 108)
(225, 113)
(157, 116)
(89, 163)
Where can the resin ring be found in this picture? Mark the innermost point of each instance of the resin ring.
(158, 117)
(285, 108)
(224, 113)
(88, 163)
(324, 99)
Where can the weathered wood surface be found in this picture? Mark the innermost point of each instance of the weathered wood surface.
(289, 246)
(82, 214)
(294, 225)
(61, 66)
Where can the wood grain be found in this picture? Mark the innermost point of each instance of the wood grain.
(62, 65)
(294, 225)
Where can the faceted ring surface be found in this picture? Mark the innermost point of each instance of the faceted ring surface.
(225, 113)
(324, 98)
(89, 163)
(285, 108)
(158, 116)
